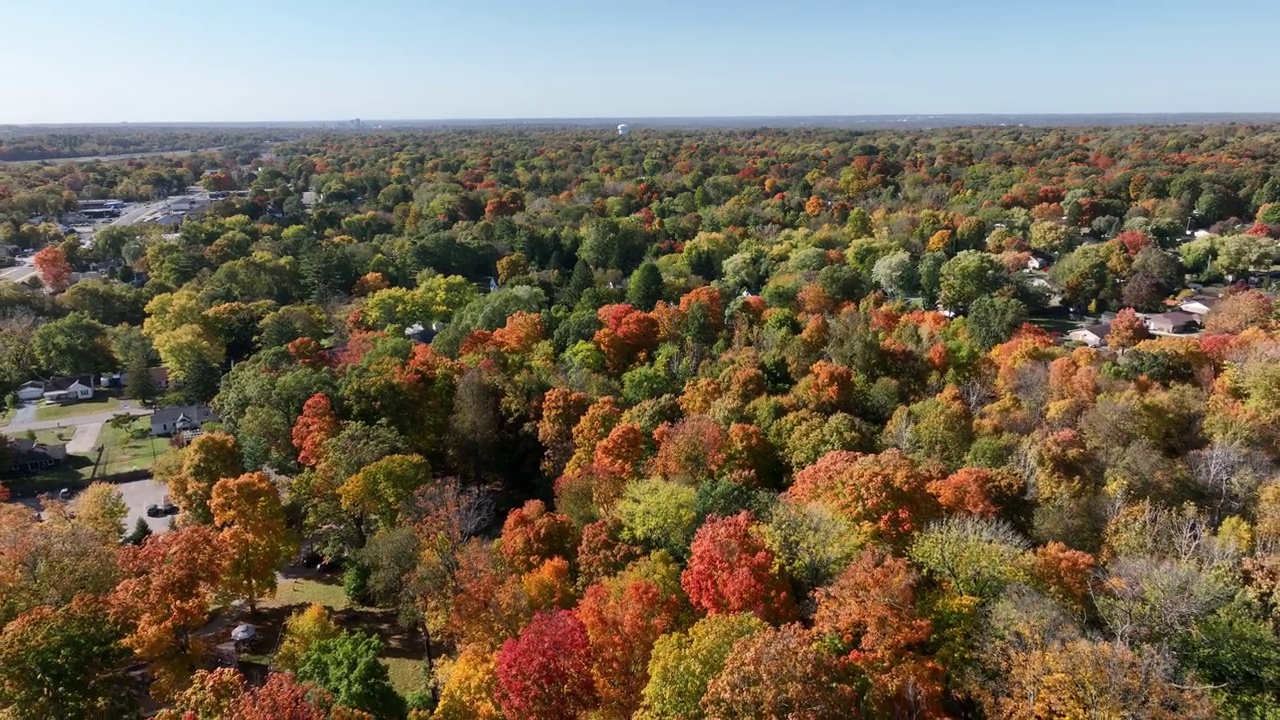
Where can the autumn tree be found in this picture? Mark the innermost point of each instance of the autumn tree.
(170, 584)
(102, 508)
(731, 569)
(468, 690)
(870, 614)
(531, 535)
(314, 427)
(64, 662)
(252, 530)
(545, 674)
(381, 490)
(209, 458)
(682, 664)
(623, 619)
(54, 268)
(302, 630)
(779, 673)
(886, 494)
(1127, 330)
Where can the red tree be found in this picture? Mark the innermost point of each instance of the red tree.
(54, 269)
(545, 674)
(314, 427)
(623, 621)
(281, 698)
(731, 570)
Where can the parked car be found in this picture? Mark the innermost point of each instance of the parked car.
(153, 510)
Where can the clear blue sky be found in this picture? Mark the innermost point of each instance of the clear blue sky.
(241, 60)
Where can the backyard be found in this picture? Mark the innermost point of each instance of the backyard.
(130, 447)
(402, 652)
(99, 403)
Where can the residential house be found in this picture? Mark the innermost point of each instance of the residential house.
(68, 390)
(1199, 305)
(1172, 322)
(30, 391)
(424, 334)
(1093, 335)
(180, 420)
(31, 456)
(1039, 260)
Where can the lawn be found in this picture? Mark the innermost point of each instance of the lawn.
(304, 591)
(402, 653)
(129, 448)
(100, 403)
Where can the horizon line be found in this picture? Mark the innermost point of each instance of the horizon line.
(605, 119)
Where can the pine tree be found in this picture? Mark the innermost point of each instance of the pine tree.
(141, 531)
(645, 287)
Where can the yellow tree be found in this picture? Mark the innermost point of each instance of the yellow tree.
(101, 508)
(381, 490)
(302, 630)
(251, 528)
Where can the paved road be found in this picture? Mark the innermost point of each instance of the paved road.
(138, 212)
(99, 418)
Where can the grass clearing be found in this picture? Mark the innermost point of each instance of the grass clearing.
(301, 592)
(402, 653)
(406, 674)
(99, 403)
(130, 448)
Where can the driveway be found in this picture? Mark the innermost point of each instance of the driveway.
(138, 495)
(26, 413)
(85, 439)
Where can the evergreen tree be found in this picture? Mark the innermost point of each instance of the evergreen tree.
(645, 288)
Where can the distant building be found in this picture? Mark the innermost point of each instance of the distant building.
(1094, 335)
(68, 390)
(424, 334)
(1199, 305)
(1172, 322)
(624, 130)
(31, 456)
(184, 420)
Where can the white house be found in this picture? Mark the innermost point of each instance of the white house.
(1093, 335)
(64, 391)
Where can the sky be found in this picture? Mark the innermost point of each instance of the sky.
(289, 60)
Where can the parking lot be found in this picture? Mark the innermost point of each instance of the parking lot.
(137, 496)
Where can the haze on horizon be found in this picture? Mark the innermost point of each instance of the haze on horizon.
(240, 61)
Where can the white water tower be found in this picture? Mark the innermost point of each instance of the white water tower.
(624, 130)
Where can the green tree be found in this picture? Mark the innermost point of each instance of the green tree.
(73, 345)
(348, 667)
(683, 664)
(993, 319)
(968, 276)
(644, 290)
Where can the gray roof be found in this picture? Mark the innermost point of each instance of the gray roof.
(171, 415)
